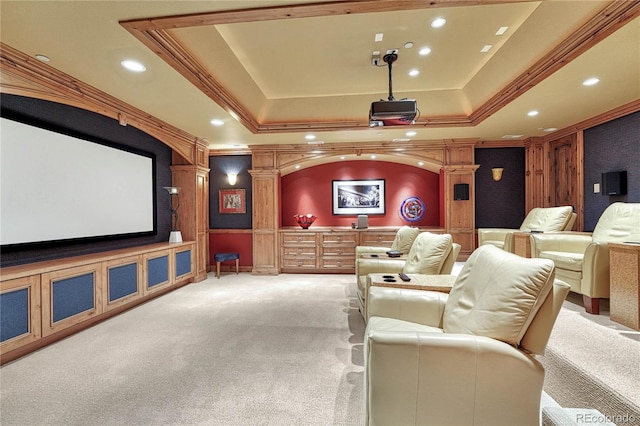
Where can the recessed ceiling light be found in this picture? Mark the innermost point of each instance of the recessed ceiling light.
(310, 137)
(297, 166)
(502, 30)
(411, 133)
(414, 72)
(420, 163)
(591, 81)
(438, 22)
(550, 129)
(217, 122)
(533, 113)
(400, 140)
(373, 157)
(424, 51)
(134, 66)
(42, 58)
(512, 136)
(486, 48)
(378, 37)
(342, 157)
(408, 45)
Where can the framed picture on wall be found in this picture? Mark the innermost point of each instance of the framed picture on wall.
(353, 197)
(232, 201)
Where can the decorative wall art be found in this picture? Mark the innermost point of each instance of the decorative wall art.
(354, 197)
(232, 201)
(412, 209)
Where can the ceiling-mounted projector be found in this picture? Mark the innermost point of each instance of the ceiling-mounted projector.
(392, 112)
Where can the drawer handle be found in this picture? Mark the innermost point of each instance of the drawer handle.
(299, 251)
(339, 251)
(299, 263)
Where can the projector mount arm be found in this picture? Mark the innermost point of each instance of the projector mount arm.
(389, 59)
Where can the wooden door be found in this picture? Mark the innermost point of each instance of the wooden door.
(564, 176)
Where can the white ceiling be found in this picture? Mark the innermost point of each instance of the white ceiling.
(315, 73)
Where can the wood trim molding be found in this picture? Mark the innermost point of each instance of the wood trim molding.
(25, 76)
(155, 34)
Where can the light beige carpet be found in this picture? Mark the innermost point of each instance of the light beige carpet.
(261, 350)
(240, 350)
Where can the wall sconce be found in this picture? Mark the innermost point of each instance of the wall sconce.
(233, 178)
(496, 173)
(175, 236)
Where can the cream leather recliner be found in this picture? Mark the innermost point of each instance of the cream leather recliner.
(546, 219)
(402, 242)
(466, 358)
(430, 254)
(405, 236)
(582, 259)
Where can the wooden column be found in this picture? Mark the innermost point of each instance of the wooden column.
(536, 156)
(459, 218)
(193, 214)
(266, 213)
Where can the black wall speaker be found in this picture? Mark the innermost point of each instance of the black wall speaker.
(460, 191)
(614, 183)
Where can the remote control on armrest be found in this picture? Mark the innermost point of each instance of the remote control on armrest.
(404, 277)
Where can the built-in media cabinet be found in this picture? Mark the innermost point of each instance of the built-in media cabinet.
(330, 249)
(45, 301)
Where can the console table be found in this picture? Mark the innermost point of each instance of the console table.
(624, 299)
(442, 283)
(522, 244)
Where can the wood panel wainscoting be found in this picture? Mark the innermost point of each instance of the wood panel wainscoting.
(46, 301)
(330, 250)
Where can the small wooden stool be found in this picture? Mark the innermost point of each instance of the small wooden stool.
(221, 257)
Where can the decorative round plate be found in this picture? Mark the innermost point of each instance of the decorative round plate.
(412, 209)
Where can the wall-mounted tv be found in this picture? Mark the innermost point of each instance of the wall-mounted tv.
(614, 183)
(57, 187)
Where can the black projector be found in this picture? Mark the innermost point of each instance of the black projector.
(393, 112)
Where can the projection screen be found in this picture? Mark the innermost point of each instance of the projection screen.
(57, 187)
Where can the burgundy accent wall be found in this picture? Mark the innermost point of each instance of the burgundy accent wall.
(310, 191)
(232, 242)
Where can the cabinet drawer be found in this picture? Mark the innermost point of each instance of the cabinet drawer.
(339, 251)
(292, 237)
(299, 262)
(339, 238)
(338, 263)
(377, 239)
(299, 250)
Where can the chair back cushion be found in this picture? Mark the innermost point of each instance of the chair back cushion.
(428, 253)
(497, 294)
(549, 219)
(619, 222)
(404, 238)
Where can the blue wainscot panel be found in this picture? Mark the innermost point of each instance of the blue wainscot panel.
(72, 296)
(183, 263)
(123, 281)
(158, 271)
(14, 314)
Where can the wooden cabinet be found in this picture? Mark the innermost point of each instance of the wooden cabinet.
(299, 250)
(339, 251)
(329, 250)
(45, 301)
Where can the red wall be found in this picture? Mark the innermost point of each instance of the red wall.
(309, 191)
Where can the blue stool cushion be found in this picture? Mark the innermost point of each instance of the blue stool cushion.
(221, 257)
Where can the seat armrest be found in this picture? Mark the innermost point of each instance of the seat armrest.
(379, 266)
(418, 306)
(572, 242)
(493, 234)
(371, 249)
